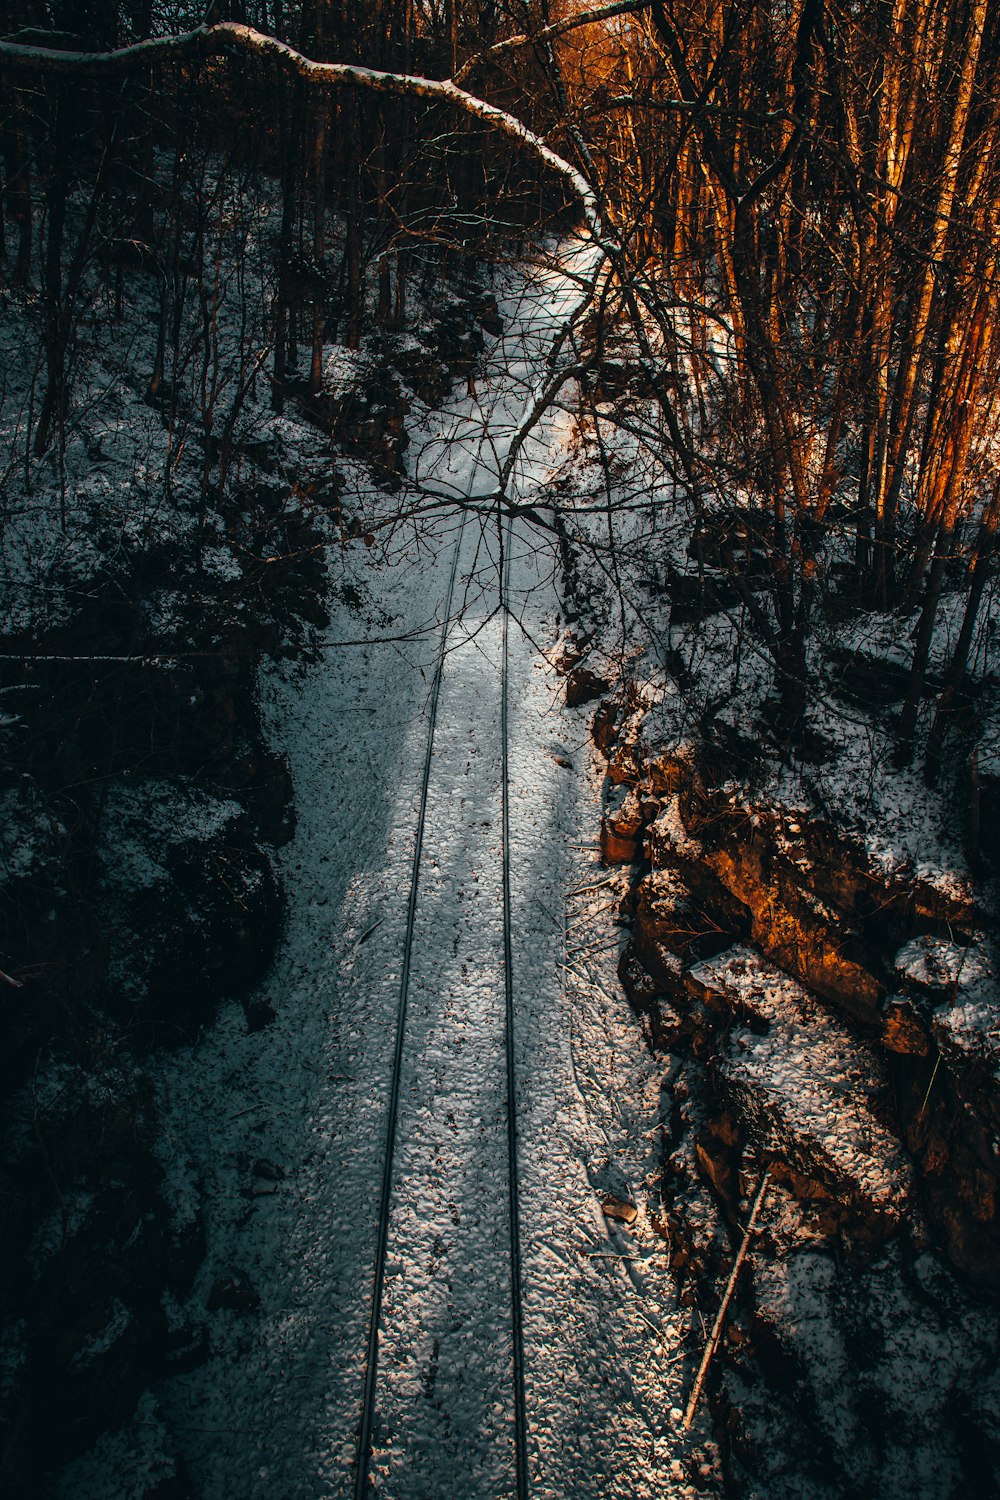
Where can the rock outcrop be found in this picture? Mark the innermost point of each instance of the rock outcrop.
(885, 959)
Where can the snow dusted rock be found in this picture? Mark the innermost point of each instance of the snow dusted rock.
(903, 1028)
(648, 747)
(625, 758)
(688, 923)
(668, 843)
(948, 1099)
(949, 1096)
(583, 686)
(621, 826)
(887, 1358)
(694, 1228)
(805, 1088)
(939, 967)
(849, 917)
(656, 997)
(752, 884)
(604, 727)
(968, 1035)
(693, 595)
(666, 749)
(824, 903)
(640, 986)
(821, 945)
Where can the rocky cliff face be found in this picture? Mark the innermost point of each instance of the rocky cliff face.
(832, 1016)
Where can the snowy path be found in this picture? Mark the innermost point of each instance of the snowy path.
(275, 1411)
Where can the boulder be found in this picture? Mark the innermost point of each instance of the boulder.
(657, 997)
(620, 1209)
(806, 1090)
(939, 968)
(621, 827)
(604, 726)
(583, 686)
(670, 916)
(904, 1030)
(820, 945)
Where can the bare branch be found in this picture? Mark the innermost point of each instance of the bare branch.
(550, 32)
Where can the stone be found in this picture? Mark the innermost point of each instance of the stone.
(616, 850)
(801, 1084)
(939, 967)
(624, 812)
(903, 1031)
(715, 1168)
(668, 915)
(605, 725)
(583, 686)
(621, 827)
(620, 1209)
(666, 968)
(820, 946)
(639, 985)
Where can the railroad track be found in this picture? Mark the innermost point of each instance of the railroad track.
(363, 1479)
(436, 1351)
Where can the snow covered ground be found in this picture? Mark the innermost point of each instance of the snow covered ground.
(282, 1131)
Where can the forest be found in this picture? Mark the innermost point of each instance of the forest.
(543, 451)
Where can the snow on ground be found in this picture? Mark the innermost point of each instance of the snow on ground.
(276, 1408)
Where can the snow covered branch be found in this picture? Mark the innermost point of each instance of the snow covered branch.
(229, 36)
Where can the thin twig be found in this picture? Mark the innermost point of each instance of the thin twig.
(593, 948)
(927, 1096)
(713, 1338)
(585, 890)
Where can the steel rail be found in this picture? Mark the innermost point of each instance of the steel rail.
(517, 1311)
(362, 1485)
(363, 1464)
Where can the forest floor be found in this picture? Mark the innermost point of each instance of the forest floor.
(281, 1132)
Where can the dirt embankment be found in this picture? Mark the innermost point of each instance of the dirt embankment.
(831, 1017)
(141, 806)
